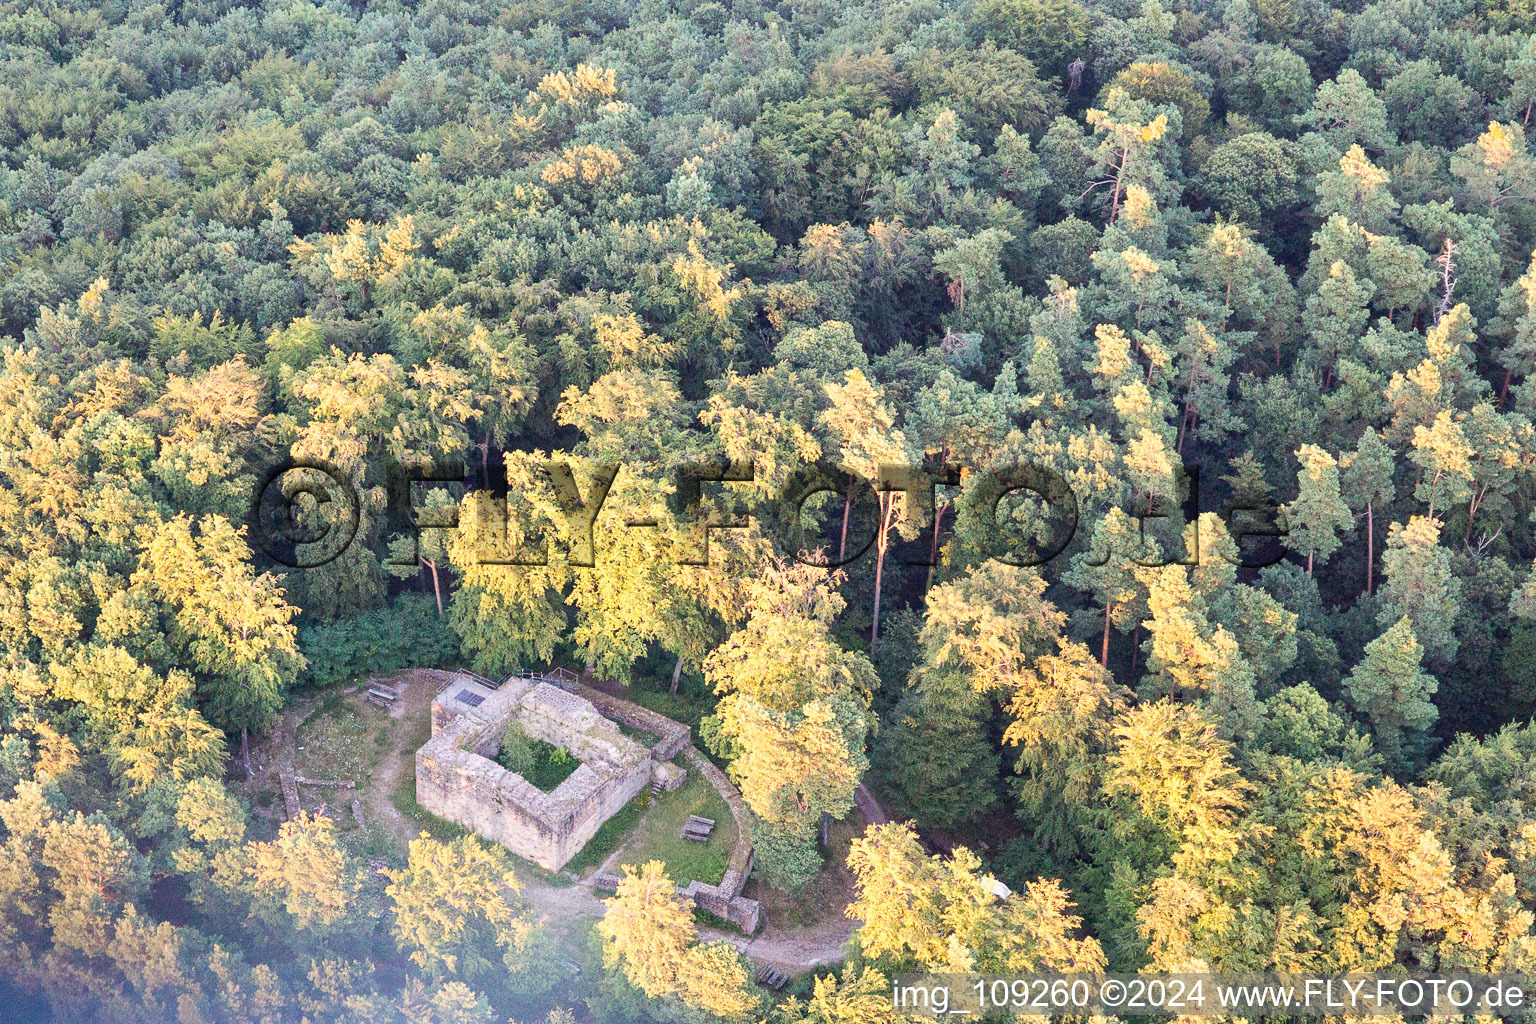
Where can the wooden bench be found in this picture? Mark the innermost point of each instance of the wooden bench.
(771, 977)
(382, 697)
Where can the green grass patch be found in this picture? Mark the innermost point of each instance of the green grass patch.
(551, 766)
(404, 795)
(657, 836)
(676, 706)
(540, 762)
(610, 835)
(709, 920)
(525, 868)
(337, 742)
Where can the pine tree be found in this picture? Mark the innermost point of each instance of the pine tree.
(1336, 317)
(1123, 155)
(793, 716)
(1318, 514)
(1442, 451)
(864, 426)
(1392, 690)
(1357, 190)
(1106, 569)
(231, 626)
(1421, 587)
(1365, 479)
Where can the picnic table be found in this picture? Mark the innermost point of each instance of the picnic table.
(771, 977)
(698, 829)
(383, 696)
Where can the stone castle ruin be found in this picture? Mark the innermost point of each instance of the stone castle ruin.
(458, 779)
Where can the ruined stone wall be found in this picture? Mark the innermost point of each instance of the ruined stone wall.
(725, 900)
(714, 899)
(738, 910)
(490, 801)
(740, 865)
(457, 778)
(674, 736)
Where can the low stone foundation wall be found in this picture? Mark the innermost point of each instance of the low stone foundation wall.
(712, 899)
(458, 779)
(715, 899)
(725, 900)
(740, 865)
(674, 736)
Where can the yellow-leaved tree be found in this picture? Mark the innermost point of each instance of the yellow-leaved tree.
(455, 907)
(648, 931)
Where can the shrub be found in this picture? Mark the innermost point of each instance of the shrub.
(405, 634)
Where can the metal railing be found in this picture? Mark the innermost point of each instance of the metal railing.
(561, 677)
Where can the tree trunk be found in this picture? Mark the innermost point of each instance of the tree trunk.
(437, 586)
(245, 751)
(1504, 391)
(677, 673)
(1114, 206)
(933, 544)
(1104, 648)
(842, 546)
(1310, 553)
(1135, 648)
(882, 542)
(1370, 548)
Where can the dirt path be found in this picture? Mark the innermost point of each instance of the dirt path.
(819, 944)
(793, 949)
(565, 910)
(418, 687)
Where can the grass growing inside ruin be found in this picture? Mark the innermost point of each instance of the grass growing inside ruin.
(551, 766)
(657, 836)
(540, 762)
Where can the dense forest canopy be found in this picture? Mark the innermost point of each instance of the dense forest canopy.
(569, 246)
